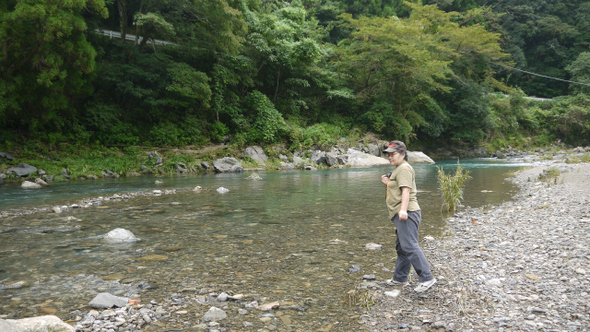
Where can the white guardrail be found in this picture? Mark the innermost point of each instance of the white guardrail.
(114, 34)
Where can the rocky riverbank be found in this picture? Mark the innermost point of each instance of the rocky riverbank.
(523, 265)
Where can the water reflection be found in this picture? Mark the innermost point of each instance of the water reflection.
(289, 237)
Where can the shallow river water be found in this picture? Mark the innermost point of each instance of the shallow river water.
(290, 237)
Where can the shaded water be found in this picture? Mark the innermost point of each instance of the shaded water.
(291, 237)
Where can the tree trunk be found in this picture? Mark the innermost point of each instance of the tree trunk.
(277, 88)
(123, 18)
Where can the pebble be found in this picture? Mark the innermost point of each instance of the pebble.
(521, 267)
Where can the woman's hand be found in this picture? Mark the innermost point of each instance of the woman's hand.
(384, 179)
(403, 215)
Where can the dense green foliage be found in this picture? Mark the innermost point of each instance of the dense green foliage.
(300, 72)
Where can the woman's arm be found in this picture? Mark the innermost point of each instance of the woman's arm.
(403, 213)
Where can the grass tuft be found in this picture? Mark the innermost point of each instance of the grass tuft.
(451, 187)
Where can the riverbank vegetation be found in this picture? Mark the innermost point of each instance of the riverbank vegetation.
(451, 186)
(296, 73)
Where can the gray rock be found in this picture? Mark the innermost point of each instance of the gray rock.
(318, 158)
(159, 160)
(120, 235)
(254, 177)
(369, 277)
(256, 153)
(6, 155)
(41, 182)
(205, 165)
(354, 269)
(227, 165)
(22, 170)
(143, 168)
(297, 160)
(30, 185)
(331, 159)
(107, 300)
(47, 323)
(181, 168)
(374, 150)
(214, 314)
(286, 166)
(41, 172)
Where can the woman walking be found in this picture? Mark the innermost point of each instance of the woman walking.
(404, 211)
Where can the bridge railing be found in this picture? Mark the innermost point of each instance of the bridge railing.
(114, 34)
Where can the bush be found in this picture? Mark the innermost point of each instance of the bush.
(268, 125)
(451, 187)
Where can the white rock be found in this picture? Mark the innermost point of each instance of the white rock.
(56, 209)
(41, 182)
(393, 293)
(157, 192)
(214, 314)
(581, 271)
(222, 190)
(373, 246)
(120, 235)
(494, 282)
(48, 323)
(30, 185)
(222, 297)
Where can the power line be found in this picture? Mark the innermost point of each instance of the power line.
(540, 75)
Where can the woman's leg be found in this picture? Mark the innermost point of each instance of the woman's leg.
(407, 241)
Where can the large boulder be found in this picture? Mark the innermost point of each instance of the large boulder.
(360, 159)
(227, 165)
(120, 235)
(417, 157)
(256, 153)
(107, 300)
(318, 158)
(47, 323)
(22, 170)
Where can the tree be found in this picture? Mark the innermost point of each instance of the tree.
(580, 71)
(46, 60)
(403, 63)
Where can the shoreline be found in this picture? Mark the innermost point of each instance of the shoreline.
(520, 265)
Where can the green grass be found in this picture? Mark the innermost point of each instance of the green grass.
(451, 187)
(550, 175)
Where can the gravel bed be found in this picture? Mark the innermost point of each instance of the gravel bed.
(523, 265)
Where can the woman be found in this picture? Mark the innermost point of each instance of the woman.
(404, 211)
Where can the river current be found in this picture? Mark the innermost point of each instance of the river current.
(290, 237)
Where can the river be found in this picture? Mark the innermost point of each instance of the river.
(290, 237)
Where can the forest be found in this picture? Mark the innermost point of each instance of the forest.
(299, 73)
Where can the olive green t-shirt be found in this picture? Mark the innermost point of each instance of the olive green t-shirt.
(402, 176)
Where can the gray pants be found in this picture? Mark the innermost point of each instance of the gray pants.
(408, 251)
